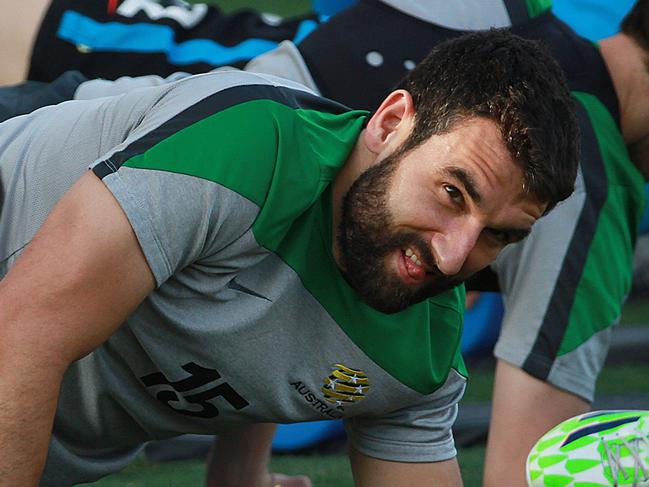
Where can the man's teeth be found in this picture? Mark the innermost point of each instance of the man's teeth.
(413, 257)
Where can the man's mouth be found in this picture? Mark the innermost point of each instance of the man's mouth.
(412, 265)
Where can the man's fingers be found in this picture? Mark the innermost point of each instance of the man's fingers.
(281, 480)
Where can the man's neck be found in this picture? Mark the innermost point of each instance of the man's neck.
(358, 161)
(627, 65)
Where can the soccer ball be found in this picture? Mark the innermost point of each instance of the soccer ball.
(601, 448)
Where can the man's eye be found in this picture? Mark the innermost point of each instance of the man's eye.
(454, 193)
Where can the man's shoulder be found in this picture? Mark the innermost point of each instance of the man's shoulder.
(256, 135)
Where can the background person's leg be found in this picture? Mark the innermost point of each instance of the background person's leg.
(20, 21)
(31, 95)
(523, 409)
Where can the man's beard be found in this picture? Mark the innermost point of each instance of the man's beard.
(366, 238)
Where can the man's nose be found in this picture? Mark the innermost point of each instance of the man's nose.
(452, 248)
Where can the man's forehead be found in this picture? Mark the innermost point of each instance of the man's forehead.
(481, 135)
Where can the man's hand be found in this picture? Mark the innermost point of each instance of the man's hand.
(77, 281)
(240, 459)
(281, 480)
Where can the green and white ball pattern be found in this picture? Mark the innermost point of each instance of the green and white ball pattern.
(591, 449)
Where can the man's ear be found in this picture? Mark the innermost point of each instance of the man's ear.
(391, 124)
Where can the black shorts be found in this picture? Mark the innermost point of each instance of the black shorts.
(27, 97)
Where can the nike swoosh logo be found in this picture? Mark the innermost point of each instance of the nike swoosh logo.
(233, 284)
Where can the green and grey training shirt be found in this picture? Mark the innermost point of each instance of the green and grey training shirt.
(225, 180)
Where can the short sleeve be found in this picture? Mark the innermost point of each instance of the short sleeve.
(179, 219)
(418, 433)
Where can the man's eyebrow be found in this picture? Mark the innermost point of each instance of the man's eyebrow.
(467, 181)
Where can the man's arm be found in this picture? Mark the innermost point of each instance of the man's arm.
(524, 408)
(372, 472)
(627, 60)
(80, 277)
(417, 440)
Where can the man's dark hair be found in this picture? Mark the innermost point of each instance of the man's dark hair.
(512, 81)
(636, 23)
